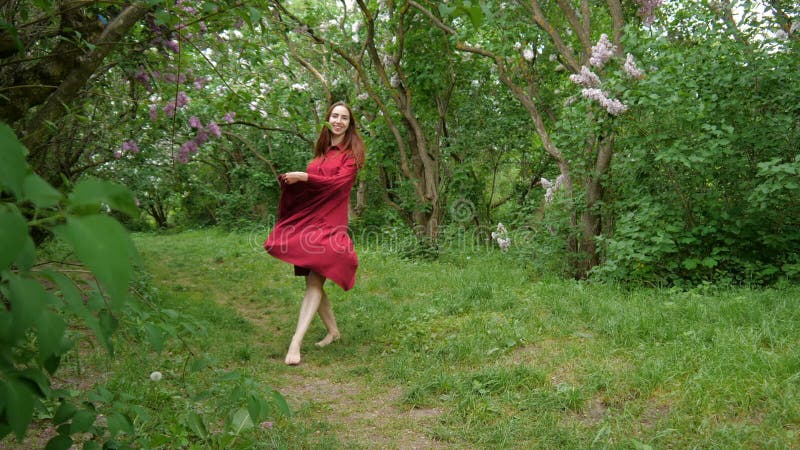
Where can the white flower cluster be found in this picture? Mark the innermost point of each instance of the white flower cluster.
(528, 54)
(612, 105)
(585, 78)
(551, 187)
(631, 69)
(300, 87)
(501, 236)
(602, 52)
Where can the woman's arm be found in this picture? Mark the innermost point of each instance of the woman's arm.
(293, 177)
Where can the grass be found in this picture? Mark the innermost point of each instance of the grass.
(472, 352)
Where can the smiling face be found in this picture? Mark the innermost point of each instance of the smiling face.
(339, 121)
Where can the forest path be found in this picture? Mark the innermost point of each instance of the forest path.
(333, 390)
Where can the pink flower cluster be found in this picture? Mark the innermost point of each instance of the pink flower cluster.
(647, 10)
(612, 105)
(585, 78)
(175, 104)
(127, 146)
(602, 52)
(203, 135)
(631, 69)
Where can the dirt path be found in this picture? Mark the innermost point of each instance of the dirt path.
(360, 412)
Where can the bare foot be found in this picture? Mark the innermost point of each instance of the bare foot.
(328, 339)
(292, 356)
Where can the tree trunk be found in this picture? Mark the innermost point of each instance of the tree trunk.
(36, 131)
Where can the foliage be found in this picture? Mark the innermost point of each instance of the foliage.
(698, 185)
(46, 312)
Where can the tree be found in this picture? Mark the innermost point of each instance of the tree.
(562, 40)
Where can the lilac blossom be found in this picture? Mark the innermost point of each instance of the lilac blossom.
(201, 137)
(190, 146)
(631, 69)
(585, 78)
(593, 94)
(501, 236)
(647, 10)
(213, 128)
(194, 122)
(527, 54)
(117, 154)
(229, 117)
(182, 99)
(153, 113)
(142, 77)
(169, 108)
(130, 146)
(602, 52)
(612, 106)
(200, 82)
(551, 187)
(171, 45)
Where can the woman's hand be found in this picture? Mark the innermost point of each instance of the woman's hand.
(293, 177)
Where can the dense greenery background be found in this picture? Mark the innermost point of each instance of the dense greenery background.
(678, 159)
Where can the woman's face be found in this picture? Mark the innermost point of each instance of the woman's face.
(339, 120)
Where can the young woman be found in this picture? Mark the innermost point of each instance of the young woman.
(311, 231)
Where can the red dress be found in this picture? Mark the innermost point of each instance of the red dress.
(311, 231)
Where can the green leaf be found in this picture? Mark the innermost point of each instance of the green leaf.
(28, 298)
(690, 263)
(107, 325)
(51, 329)
(255, 14)
(104, 246)
(82, 421)
(90, 193)
(475, 14)
(19, 406)
(446, 11)
(710, 262)
(91, 445)
(64, 412)
(196, 424)
(27, 258)
(119, 423)
(257, 407)
(13, 167)
(283, 407)
(155, 336)
(59, 442)
(39, 192)
(69, 293)
(241, 421)
(13, 234)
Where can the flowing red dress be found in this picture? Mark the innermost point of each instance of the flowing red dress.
(311, 231)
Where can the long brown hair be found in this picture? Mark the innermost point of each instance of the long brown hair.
(352, 140)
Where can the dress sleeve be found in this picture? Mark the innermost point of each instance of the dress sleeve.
(319, 190)
(344, 175)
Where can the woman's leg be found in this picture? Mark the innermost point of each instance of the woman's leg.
(326, 314)
(308, 308)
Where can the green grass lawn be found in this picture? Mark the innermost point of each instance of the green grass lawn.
(471, 351)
